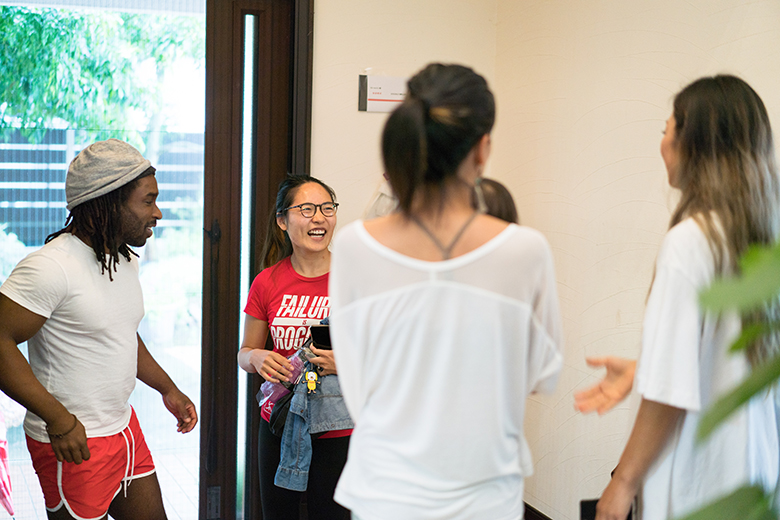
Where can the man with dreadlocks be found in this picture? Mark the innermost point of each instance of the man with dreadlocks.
(77, 302)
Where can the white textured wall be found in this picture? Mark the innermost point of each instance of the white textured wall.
(391, 38)
(583, 89)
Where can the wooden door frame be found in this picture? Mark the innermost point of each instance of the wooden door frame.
(282, 144)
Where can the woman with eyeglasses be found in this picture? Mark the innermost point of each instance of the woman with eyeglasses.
(443, 320)
(289, 295)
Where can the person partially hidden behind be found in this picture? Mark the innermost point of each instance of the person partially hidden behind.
(77, 302)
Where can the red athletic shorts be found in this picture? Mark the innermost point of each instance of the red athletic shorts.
(87, 489)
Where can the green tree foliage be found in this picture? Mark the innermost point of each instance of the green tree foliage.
(80, 69)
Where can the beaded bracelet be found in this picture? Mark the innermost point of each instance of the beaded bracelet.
(61, 435)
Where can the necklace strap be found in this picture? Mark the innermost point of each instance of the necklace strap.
(445, 251)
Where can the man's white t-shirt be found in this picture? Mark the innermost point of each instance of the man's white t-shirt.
(685, 363)
(86, 353)
(435, 362)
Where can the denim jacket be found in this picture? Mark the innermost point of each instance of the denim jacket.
(310, 413)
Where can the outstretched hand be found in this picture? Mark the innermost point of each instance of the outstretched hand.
(182, 408)
(615, 386)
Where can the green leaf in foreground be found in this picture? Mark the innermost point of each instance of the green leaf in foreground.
(746, 503)
(759, 282)
(760, 378)
(752, 332)
(749, 334)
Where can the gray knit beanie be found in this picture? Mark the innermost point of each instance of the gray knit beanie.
(100, 168)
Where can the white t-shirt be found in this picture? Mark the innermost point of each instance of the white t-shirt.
(685, 363)
(435, 362)
(86, 353)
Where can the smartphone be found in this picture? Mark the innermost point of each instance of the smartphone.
(320, 335)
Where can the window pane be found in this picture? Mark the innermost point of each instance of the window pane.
(154, 98)
(247, 181)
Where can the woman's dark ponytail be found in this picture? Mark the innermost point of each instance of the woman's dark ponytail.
(277, 244)
(405, 149)
(447, 110)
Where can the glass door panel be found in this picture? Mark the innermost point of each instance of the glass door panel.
(161, 72)
(247, 182)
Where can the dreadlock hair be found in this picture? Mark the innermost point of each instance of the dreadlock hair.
(277, 245)
(99, 220)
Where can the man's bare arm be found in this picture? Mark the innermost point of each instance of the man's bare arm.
(17, 380)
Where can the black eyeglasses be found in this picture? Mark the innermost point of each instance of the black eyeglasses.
(308, 209)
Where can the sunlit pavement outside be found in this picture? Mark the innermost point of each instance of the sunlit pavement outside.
(175, 455)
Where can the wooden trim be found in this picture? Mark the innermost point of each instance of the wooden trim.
(276, 133)
(282, 144)
(222, 191)
(264, 120)
(303, 56)
(252, 506)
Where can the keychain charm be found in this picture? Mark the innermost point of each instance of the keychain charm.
(312, 380)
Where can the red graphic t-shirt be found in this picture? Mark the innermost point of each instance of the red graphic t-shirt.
(289, 303)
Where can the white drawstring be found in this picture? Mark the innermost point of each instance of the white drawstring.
(130, 466)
